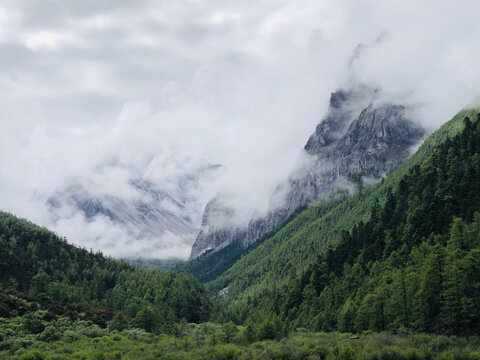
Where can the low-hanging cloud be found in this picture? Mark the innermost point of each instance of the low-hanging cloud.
(112, 91)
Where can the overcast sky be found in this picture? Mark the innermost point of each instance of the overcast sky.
(161, 88)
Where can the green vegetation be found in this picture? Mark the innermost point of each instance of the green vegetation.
(211, 265)
(415, 264)
(34, 337)
(37, 261)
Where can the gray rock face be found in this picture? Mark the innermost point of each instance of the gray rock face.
(356, 137)
(214, 233)
(372, 145)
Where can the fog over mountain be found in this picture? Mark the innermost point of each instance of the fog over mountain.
(100, 97)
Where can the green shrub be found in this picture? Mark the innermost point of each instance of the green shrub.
(97, 355)
(32, 324)
(455, 354)
(31, 355)
(94, 331)
(23, 342)
(49, 334)
(118, 323)
(137, 335)
(71, 336)
(226, 352)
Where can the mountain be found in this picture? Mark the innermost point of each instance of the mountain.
(414, 264)
(360, 138)
(368, 147)
(399, 257)
(382, 235)
(153, 212)
(296, 243)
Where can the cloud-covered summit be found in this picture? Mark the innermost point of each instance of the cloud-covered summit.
(112, 91)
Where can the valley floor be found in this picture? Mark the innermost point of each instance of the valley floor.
(64, 339)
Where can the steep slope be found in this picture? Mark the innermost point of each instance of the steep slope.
(213, 263)
(414, 264)
(370, 146)
(358, 136)
(299, 242)
(215, 231)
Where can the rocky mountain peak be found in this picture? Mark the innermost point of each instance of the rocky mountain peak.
(358, 136)
(215, 233)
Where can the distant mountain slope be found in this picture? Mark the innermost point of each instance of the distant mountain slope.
(161, 264)
(156, 213)
(152, 213)
(359, 136)
(299, 242)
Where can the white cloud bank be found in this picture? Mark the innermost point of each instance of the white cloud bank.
(160, 88)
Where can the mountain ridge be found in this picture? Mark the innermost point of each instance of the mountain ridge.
(280, 256)
(356, 137)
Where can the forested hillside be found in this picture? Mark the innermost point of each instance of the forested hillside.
(413, 264)
(35, 260)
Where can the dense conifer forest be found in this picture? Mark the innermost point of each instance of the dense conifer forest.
(36, 261)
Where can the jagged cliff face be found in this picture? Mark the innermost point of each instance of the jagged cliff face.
(356, 137)
(215, 232)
